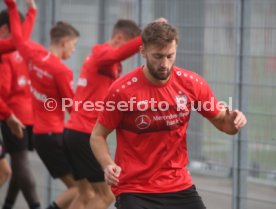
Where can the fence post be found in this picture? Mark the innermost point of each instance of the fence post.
(240, 146)
(102, 19)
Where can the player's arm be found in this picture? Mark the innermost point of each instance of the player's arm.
(6, 46)
(19, 41)
(229, 122)
(111, 56)
(16, 126)
(121, 53)
(64, 83)
(29, 19)
(12, 121)
(101, 151)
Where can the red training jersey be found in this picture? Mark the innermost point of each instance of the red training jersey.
(151, 131)
(99, 71)
(51, 80)
(17, 87)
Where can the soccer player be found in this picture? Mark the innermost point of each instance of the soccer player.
(51, 81)
(17, 113)
(100, 69)
(150, 170)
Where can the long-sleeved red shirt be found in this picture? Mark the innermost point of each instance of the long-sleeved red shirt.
(99, 71)
(16, 88)
(51, 80)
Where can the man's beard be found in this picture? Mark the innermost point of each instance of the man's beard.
(159, 74)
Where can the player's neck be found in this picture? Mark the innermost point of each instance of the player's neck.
(153, 80)
(55, 50)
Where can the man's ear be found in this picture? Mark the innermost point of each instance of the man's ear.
(63, 41)
(5, 31)
(118, 37)
(142, 51)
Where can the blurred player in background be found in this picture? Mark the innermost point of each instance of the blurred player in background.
(100, 69)
(51, 80)
(17, 112)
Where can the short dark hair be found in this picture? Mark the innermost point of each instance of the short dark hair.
(128, 27)
(5, 20)
(62, 29)
(159, 33)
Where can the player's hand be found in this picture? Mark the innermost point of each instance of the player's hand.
(161, 20)
(31, 4)
(15, 126)
(237, 118)
(111, 174)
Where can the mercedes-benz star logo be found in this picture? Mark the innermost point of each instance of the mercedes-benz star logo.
(142, 122)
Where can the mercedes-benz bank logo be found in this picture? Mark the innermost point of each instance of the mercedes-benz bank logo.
(142, 122)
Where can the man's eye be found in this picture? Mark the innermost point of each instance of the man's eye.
(157, 56)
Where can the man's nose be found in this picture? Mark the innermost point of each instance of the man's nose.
(165, 62)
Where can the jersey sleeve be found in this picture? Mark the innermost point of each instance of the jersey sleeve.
(6, 46)
(21, 44)
(105, 58)
(64, 83)
(29, 22)
(207, 104)
(111, 115)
